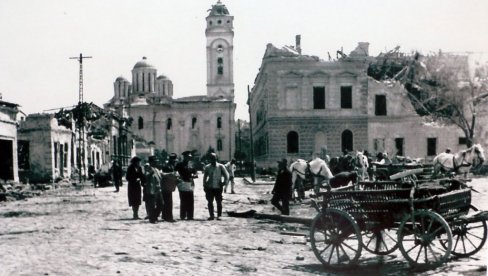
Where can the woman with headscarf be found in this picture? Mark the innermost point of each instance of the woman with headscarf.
(135, 178)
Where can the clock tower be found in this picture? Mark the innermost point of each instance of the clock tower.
(220, 52)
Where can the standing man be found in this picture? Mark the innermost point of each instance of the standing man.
(186, 185)
(231, 168)
(135, 178)
(168, 185)
(212, 185)
(282, 189)
(117, 175)
(152, 190)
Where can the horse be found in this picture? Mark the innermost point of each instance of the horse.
(317, 168)
(361, 164)
(351, 162)
(461, 162)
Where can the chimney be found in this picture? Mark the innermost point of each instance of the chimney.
(297, 44)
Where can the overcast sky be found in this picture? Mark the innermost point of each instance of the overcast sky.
(38, 37)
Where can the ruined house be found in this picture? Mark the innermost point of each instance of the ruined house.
(301, 104)
(50, 144)
(8, 141)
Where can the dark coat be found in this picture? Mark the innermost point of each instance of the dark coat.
(135, 178)
(283, 184)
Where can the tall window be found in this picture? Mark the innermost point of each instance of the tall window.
(292, 142)
(347, 140)
(140, 123)
(115, 144)
(220, 70)
(380, 105)
(431, 146)
(55, 145)
(219, 122)
(319, 97)
(219, 144)
(193, 122)
(346, 96)
(169, 124)
(65, 158)
(399, 146)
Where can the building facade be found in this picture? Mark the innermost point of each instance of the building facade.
(8, 141)
(301, 105)
(195, 123)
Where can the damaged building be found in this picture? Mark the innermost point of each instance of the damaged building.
(302, 104)
(8, 141)
(49, 145)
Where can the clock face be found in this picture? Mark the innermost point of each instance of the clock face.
(220, 49)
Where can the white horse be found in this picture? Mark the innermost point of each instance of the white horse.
(362, 165)
(461, 162)
(317, 168)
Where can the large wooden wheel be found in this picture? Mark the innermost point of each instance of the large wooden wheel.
(468, 238)
(380, 241)
(335, 238)
(425, 241)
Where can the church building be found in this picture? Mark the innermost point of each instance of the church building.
(194, 123)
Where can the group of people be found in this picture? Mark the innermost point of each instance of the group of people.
(157, 186)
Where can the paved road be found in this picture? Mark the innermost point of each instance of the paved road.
(90, 232)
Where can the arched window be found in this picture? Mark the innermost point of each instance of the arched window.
(169, 124)
(220, 60)
(219, 144)
(219, 122)
(140, 123)
(347, 140)
(193, 122)
(292, 142)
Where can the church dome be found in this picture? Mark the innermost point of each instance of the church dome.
(218, 9)
(121, 79)
(162, 77)
(143, 64)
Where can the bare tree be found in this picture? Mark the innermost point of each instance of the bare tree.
(445, 88)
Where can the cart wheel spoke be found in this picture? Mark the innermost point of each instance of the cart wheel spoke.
(473, 235)
(433, 253)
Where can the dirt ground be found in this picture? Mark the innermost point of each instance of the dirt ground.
(88, 231)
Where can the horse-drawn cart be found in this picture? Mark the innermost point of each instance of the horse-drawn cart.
(426, 222)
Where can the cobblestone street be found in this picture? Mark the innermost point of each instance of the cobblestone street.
(90, 232)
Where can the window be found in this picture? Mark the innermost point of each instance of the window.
(347, 140)
(292, 142)
(220, 70)
(65, 158)
(193, 122)
(463, 141)
(55, 145)
(140, 123)
(380, 105)
(346, 96)
(219, 122)
(431, 146)
(169, 124)
(319, 97)
(379, 144)
(219, 144)
(399, 146)
(220, 60)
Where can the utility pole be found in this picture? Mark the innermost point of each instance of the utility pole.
(253, 169)
(81, 119)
